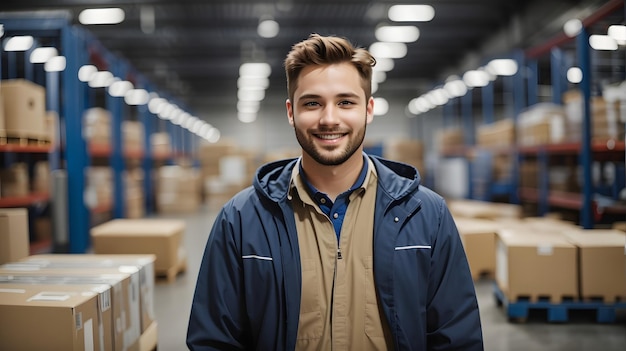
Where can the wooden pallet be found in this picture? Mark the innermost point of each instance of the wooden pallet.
(148, 339)
(169, 275)
(519, 310)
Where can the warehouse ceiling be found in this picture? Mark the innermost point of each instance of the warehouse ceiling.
(193, 49)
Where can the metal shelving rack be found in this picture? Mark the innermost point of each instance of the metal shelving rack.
(70, 97)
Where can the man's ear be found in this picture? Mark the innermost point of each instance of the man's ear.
(370, 110)
(289, 107)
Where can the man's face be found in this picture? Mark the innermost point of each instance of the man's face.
(330, 113)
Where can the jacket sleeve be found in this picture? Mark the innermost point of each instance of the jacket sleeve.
(217, 320)
(453, 319)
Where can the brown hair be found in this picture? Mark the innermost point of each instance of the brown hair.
(320, 50)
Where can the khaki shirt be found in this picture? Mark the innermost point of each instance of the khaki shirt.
(339, 308)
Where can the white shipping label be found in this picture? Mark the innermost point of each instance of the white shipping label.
(88, 333)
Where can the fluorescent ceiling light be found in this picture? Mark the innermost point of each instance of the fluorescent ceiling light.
(55, 64)
(101, 79)
(602, 42)
(379, 76)
(502, 67)
(248, 106)
(119, 88)
(101, 16)
(136, 97)
(411, 13)
(381, 106)
(398, 34)
(248, 81)
(268, 29)
(190, 122)
(255, 69)
(1, 30)
(19, 43)
(212, 135)
(196, 126)
(86, 72)
(572, 27)
(388, 50)
(156, 105)
(251, 94)
(384, 64)
(439, 96)
(246, 117)
(574, 75)
(455, 88)
(618, 32)
(166, 110)
(476, 78)
(43, 54)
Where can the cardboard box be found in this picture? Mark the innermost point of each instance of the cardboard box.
(24, 108)
(143, 263)
(124, 297)
(602, 263)
(479, 241)
(32, 319)
(534, 266)
(15, 180)
(160, 237)
(483, 209)
(14, 240)
(104, 322)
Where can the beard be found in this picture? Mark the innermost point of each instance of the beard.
(330, 156)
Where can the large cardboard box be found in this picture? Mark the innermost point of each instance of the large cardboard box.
(534, 266)
(104, 323)
(15, 180)
(479, 241)
(160, 237)
(143, 263)
(483, 209)
(24, 108)
(602, 263)
(124, 297)
(14, 241)
(31, 319)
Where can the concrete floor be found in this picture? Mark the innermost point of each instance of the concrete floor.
(172, 304)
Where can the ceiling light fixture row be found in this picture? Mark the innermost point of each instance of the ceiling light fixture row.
(252, 82)
(158, 106)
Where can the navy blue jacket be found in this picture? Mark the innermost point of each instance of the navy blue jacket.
(427, 296)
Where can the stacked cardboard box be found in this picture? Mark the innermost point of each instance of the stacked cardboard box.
(24, 106)
(133, 136)
(178, 189)
(535, 265)
(449, 139)
(14, 239)
(61, 319)
(97, 126)
(134, 194)
(498, 134)
(143, 265)
(15, 181)
(483, 209)
(160, 143)
(479, 241)
(121, 297)
(159, 237)
(543, 123)
(606, 117)
(99, 187)
(406, 151)
(601, 263)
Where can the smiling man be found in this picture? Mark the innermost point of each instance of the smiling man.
(337, 249)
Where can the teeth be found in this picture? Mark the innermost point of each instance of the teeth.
(329, 136)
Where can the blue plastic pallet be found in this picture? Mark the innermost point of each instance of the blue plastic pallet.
(558, 312)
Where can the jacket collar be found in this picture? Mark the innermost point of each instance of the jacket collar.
(396, 179)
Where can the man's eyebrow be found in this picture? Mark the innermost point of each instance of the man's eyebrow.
(315, 96)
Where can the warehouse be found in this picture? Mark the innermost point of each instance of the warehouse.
(125, 126)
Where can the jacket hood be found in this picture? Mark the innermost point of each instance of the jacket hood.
(396, 179)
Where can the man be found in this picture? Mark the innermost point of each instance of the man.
(335, 250)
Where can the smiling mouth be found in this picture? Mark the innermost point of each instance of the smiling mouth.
(329, 136)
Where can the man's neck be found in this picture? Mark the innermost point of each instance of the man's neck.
(333, 180)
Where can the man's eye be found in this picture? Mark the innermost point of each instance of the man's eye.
(345, 102)
(311, 103)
